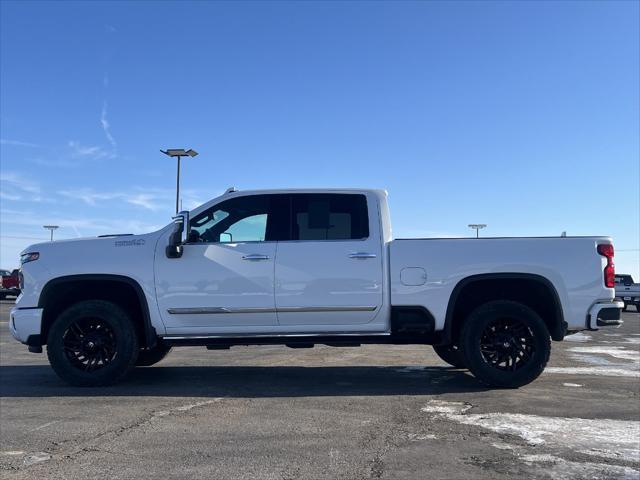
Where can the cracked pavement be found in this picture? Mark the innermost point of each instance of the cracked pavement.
(346, 413)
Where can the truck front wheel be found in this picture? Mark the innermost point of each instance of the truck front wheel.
(506, 344)
(451, 354)
(92, 343)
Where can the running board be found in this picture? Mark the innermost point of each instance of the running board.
(334, 340)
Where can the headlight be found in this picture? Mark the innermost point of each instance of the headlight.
(29, 257)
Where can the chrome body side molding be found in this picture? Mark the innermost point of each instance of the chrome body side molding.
(219, 310)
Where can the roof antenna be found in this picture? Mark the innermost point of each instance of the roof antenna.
(231, 190)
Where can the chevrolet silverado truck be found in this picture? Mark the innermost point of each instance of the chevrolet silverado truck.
(628, 291)
(302, 268)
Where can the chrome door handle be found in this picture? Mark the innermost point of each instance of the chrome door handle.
(362, 255)
(255, 256)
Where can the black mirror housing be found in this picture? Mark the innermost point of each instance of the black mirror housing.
(179, 235)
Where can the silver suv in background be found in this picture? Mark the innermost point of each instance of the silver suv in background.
(627, 291)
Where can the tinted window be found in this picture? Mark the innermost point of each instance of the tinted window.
(256, 218)
(329, 217)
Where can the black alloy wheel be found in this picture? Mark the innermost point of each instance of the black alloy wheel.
(92, 343)
(89, 344)
(507, 344)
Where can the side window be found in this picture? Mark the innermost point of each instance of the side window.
(255, 218)
(329, 217)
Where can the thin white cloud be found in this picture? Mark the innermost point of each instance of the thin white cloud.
(17, 143)
(154, 199)
(94, 152)
(12, 182)
(9, 196)
(57, 163)
(92, 226)
(106, 126)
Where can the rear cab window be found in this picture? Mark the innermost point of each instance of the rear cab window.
(325, 216)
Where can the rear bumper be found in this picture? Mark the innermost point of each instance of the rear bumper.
(631, 299)
(606, 314)
(25, 325)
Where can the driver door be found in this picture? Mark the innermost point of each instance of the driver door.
(224, 281)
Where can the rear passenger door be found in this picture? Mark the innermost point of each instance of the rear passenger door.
(328, 276)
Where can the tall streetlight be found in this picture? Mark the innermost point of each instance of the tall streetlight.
(179, 153)
(51, 228)
(477, 227)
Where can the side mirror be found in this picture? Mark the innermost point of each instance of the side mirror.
(179, 235)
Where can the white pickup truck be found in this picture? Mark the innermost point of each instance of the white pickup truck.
(307, 267)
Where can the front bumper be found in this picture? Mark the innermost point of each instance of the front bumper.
(10, 291)
(605, 315)
(25, 325)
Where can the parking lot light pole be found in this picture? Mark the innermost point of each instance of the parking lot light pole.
(477, 227)
(51, 228)
(179, 153)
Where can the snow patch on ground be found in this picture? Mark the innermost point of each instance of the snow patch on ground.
(577, 337)
(617, 352)
(442, 406)
(37, 457)
(564, 469)
(415, 437)
(593, 360)
(503, 446)
(596, 437)
(601, 371)
(183, 408)
(572, 385)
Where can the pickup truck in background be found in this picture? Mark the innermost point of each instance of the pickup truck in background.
(627, 291)
(9, 283)
(303, 268)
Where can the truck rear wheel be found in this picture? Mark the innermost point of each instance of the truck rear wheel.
(92, 343)
(151, 356)
(506, 344)
(451, 354)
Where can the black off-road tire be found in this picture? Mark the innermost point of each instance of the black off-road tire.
(451, 354)
(498, 320)
(97, 319)
(151, 356)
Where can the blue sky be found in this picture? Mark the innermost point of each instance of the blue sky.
(524, 116)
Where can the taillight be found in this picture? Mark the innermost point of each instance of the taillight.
(610, 270)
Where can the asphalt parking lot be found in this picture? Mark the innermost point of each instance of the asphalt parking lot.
(350, 413)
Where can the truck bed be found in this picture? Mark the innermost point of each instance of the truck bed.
(426, 271)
